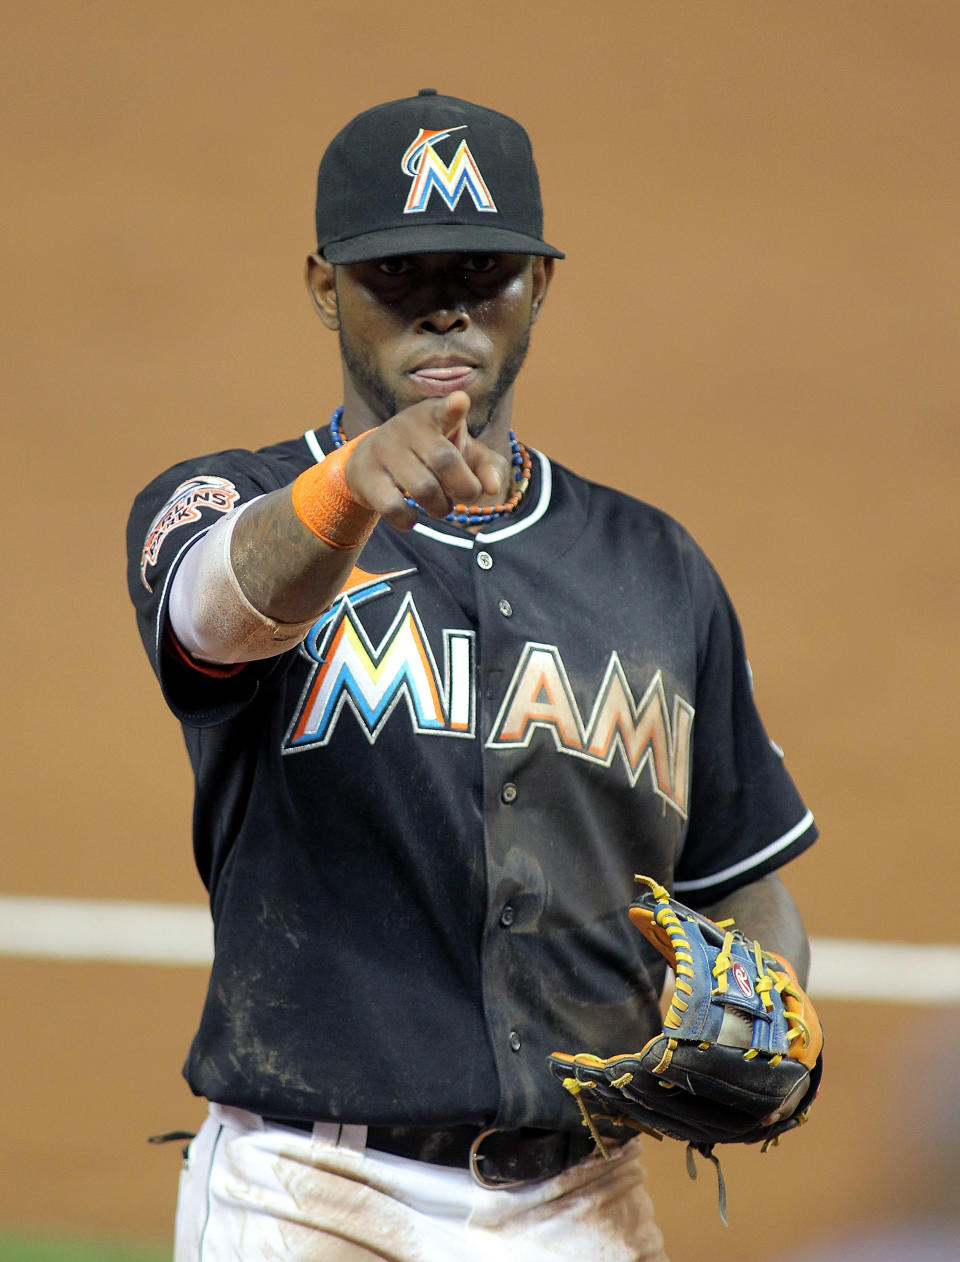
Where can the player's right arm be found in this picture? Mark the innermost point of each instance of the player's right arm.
(255, 584)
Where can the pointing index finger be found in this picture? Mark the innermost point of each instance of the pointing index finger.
(488, 466)
(451, 416)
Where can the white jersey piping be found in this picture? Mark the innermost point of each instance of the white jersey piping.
(746, 864)
(504, 532)
(310, 438)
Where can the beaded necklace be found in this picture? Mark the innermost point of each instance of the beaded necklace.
(473, 514)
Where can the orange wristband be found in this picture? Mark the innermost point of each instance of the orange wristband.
(322, 501)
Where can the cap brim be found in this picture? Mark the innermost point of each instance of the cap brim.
(433, 239)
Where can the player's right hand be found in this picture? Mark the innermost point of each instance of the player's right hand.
(427, 453)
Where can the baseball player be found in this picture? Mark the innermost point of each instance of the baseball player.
(442, 698)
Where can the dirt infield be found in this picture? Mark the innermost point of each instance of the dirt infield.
(755, 329)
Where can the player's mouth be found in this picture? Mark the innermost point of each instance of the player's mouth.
(444, 374)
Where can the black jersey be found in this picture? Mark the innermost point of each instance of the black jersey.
(419, 829)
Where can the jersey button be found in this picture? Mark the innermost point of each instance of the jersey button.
(515, 1040)
(505, 608)
(485, 560)
(508, 793)
(507, 916)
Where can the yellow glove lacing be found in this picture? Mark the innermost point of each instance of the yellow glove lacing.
(574, 1086)
(764, 982)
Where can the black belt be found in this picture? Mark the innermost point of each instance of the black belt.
(496, 1158)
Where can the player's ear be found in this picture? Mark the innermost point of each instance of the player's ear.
(322, 287)
(542, 269)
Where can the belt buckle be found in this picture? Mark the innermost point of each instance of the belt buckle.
(475, 1159)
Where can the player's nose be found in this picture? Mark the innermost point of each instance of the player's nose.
(442, 319)
(441, 303)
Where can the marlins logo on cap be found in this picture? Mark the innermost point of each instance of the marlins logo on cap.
(415, 176)
(429, 171)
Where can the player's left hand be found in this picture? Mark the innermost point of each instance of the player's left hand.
(739, 1056)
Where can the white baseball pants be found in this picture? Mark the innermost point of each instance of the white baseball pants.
(256, 1193)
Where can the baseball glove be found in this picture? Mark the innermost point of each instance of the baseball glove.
(738, 1059)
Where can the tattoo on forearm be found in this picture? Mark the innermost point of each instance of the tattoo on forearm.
(285, 571)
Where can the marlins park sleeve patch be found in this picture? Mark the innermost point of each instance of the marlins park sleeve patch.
(185, 505)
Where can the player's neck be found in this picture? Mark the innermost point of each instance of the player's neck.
(495, 434)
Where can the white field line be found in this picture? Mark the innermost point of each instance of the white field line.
(87, 929)
(178, 934)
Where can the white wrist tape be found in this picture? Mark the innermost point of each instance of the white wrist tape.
(212, 618)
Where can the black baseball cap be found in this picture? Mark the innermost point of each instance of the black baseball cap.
(429, 173)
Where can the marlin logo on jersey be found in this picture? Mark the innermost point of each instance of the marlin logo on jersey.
(372, 680)
(429, 172)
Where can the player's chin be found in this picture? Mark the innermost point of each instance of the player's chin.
(478, 421)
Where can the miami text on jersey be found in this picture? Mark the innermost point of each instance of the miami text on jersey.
(350, 672)
(539, 695)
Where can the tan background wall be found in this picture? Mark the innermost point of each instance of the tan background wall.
(756, 329)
